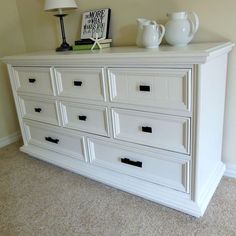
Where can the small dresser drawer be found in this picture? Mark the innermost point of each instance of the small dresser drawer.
(56, 139)
(39, 109)
(35, 80)
(153, 167)
(168, 89)
(84, 83)
(88, 118)
(161, 131)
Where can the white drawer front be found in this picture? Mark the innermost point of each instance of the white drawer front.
(88, 118)
(52, 138)
(35, 80)
(87, 83)
(149, 166)
(39, 110)
(162, 88)
(161, 131)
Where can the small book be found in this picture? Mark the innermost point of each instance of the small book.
(84, 41)
(105, 41)
(89, 46)
(89, 41)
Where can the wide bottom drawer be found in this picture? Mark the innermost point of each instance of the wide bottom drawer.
(166, 170)
(55, 139)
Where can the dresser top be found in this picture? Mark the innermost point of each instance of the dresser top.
(197, 53)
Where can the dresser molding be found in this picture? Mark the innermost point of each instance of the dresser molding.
(157, 193)
(191, 54)
(180, 169)
(176, 200)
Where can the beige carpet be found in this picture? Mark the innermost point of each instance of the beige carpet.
(37, 198)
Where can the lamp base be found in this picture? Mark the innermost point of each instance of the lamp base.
(64, 47)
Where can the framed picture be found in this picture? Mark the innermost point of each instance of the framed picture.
(95, 21)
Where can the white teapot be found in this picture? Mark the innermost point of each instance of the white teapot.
(149, 33)
(181, 27)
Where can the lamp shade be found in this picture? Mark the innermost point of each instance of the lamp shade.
(53, 5)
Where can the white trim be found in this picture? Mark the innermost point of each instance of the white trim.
(9, 139)
(230, 171)
(196, 54)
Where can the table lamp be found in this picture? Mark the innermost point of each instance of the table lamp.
(59, 5)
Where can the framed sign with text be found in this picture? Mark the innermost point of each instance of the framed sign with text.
(95, 21)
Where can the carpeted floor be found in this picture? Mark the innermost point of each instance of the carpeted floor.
(37, 198)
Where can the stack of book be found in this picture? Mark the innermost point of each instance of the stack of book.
(87, 44)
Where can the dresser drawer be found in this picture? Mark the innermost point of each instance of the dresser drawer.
(39, 109)
(84, 83)
(56, 139)
(158, 168)
(88, 118)
(34, 80)
(156, 130)
(161, 88)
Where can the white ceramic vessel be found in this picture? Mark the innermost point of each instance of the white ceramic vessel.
(141, 23)
(152, 35)
(181, 28)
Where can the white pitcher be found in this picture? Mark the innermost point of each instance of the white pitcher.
(152, 35)
(141, 22)
(181, 27)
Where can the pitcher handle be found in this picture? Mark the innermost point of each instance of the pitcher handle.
(153, 22)
(194, 21)
(163, 30)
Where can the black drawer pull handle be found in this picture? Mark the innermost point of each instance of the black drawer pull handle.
(51, 140)
(84, 118)
(78, 83)
(132, 163)
(32, 80)
(146, 129)
(145, 88)
(37, 110)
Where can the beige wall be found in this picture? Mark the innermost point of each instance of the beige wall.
(217, 19)
(38, 27)
(11, 42)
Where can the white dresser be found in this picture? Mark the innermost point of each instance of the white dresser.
(149, 122)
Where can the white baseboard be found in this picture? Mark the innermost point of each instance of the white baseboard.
(230, 171)
(9, 139)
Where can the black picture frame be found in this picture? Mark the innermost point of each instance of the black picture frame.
(95, 21)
